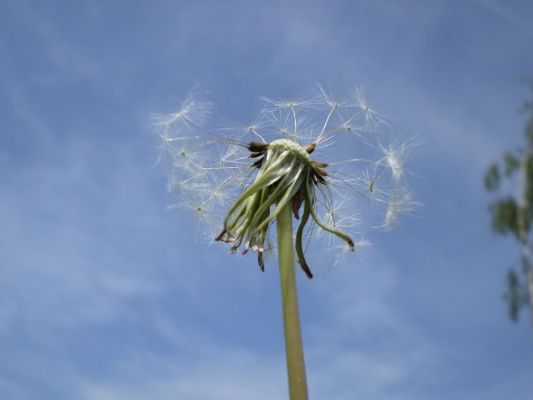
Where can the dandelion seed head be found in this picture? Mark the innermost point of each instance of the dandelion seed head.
(315, 154)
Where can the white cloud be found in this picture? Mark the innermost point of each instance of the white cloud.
(221, 374)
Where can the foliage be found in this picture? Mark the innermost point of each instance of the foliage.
(513, 214)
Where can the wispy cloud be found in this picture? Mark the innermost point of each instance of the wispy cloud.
(104, 295)
(508, 15)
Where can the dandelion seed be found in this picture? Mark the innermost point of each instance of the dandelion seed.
(343, 251)
(373, 121)
(399, 203)
(194, 112)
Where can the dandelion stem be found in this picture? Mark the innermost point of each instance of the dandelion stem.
(291, 319)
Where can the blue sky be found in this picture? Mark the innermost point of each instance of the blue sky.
(105, 294)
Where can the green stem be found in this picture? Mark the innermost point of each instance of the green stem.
(289, 298)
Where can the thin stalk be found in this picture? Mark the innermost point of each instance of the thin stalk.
(289, 298)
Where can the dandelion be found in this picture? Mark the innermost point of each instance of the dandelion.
(316, 160)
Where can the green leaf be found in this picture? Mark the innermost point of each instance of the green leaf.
(517, 294)
(512, 296)
(492, 178)
(505, 216)
(512, 163)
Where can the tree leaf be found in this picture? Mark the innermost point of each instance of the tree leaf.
(492, 177)
(505, 216)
